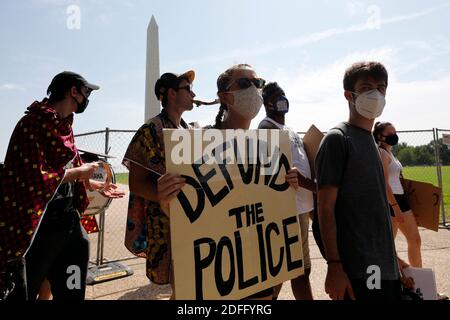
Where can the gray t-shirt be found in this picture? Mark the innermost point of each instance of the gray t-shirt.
(349, 159)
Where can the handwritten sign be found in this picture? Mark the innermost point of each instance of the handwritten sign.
(234, 226)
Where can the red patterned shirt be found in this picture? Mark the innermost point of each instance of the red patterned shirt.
(41, 145)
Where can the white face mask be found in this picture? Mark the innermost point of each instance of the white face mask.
(370, 104)
(248, 102)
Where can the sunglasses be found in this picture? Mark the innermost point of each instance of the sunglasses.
(188, 88)
(245, 83)
(87, 94)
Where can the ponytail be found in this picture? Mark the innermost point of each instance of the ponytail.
(219, 117)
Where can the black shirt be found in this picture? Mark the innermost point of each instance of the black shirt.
(349, 159)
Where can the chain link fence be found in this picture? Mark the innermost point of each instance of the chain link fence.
(443, 168)
(422, 152)
(109, 246)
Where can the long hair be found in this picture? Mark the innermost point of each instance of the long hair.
(378, 130)
(223, 81)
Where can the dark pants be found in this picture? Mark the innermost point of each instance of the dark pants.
(389, 290)
(61, 255)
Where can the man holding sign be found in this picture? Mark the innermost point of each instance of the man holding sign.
(148, 229)
(234, 227)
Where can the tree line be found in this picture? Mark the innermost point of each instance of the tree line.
(423, 155)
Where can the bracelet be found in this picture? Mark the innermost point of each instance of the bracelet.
(333, 261)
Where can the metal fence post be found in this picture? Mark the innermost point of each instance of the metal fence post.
(439, 172)
(101, 234)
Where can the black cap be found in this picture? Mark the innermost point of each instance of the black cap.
(171, 81)
(65, 80)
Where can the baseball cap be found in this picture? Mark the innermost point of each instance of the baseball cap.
(171, 80)
(66, 80)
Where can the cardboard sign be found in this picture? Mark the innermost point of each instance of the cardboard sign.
(424, 200)
(446, 139)
(312, 140)
(234, 226)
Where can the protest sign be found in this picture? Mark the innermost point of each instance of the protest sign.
(312, 140)
(424, 200)
(234, 226)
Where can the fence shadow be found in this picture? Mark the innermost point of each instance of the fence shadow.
(149, 292)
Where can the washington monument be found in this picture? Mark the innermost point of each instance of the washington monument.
(152, 105)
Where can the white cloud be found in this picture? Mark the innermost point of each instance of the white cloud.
(317, 95)
(52, 2)
(11, 87)
(104, 19)
(420, 104)
(315, 37)
(355, 7)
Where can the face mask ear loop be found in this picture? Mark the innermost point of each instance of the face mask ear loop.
(354, 97)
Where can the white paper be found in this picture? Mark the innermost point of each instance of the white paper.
(424, 281)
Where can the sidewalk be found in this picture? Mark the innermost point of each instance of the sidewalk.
(435, 255)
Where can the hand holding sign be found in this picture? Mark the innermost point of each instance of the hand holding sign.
(234, 224)
(292, 178)
(169, 186)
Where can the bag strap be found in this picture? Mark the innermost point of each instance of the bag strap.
(346, 147)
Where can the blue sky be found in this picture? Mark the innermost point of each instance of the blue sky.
(303, 45)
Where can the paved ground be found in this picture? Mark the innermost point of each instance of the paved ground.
(435, 252)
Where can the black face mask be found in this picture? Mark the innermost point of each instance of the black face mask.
(391, 140)
(83, 105)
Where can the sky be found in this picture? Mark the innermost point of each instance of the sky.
(303, 45)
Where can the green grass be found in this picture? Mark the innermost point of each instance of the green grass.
(424, 174)
(122, 178)
(429, 174)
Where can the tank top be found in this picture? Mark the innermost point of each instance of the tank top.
(394, 170)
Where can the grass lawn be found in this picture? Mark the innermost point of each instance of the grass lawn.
(122, 178)
(424, 174)
(429, 174)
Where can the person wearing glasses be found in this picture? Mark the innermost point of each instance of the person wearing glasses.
(151, 188)
(277, 106)
(43, 193)
(239, 91)
(241, 99)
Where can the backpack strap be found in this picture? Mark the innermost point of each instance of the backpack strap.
(347, 148)
(315, 223)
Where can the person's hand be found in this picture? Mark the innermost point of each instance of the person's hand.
(86, 171)
(408, 282)
(292, 178)
(337, 283)
(110, 191)
(398, 214)
(169, 186)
